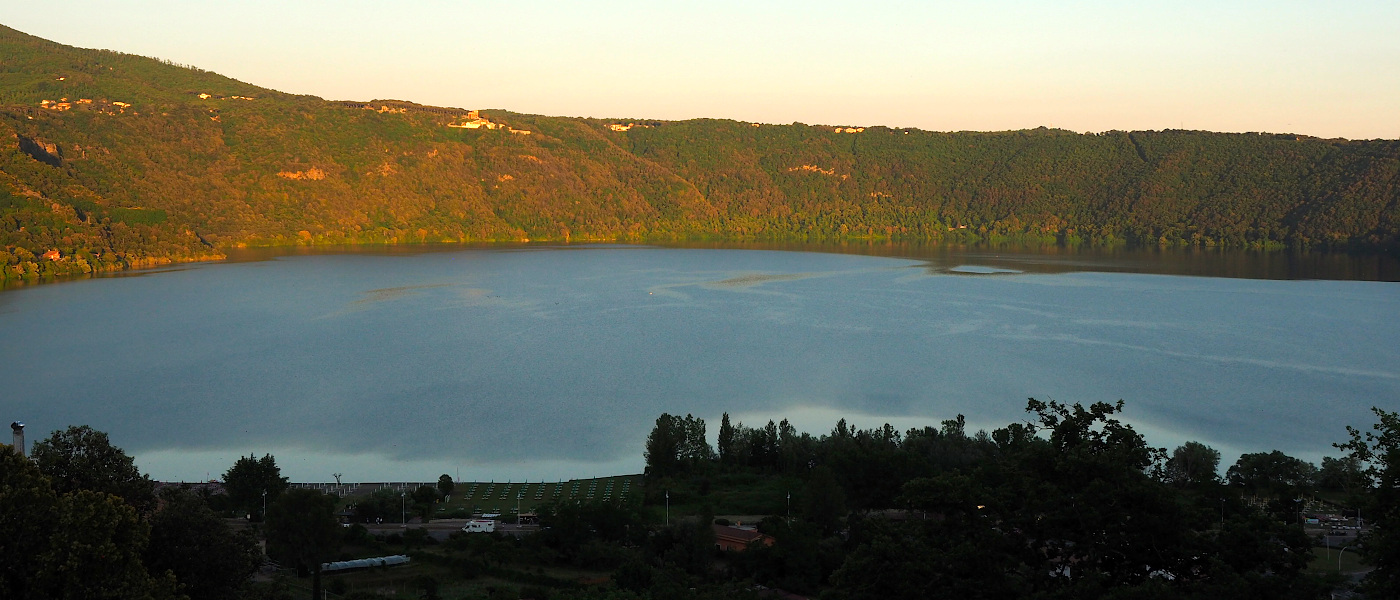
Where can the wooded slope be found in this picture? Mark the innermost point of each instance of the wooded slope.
(116, 160)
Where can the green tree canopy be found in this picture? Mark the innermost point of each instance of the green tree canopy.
(725, 443)
(423, 499)
(1378, 451)
(823, 502)
(302, 532)
(82, 458)
(208, 558)
(81, 544)
(676, 444)
(1272, 474)
(1193, 464)
(252, 481)
(95, 551)
(1342, 474)
(28, 513)
(380, 504)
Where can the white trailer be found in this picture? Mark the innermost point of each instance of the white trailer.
(480, 526)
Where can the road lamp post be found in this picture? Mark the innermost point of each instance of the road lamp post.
(264, 515)
(668, 507)
(403, 510)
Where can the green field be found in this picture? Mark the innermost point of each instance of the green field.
(1325, 561)
(470, 498)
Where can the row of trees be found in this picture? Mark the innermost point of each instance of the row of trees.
(677, 447)
(1072, 504)
(81, 521)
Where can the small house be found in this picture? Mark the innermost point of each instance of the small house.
(738, 538)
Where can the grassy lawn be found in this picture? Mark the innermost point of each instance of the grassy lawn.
(475, 497)
(1325, 561)
(734, 494)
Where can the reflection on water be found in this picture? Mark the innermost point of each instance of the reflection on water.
(394, 293)
(544, 362)
(1200, 262)
(975, 270)
(753, 279)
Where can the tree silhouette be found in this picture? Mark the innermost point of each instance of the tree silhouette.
(82, 458)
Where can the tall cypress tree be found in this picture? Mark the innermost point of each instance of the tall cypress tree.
(726, 440)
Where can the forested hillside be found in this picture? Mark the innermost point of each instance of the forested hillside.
(109, 161)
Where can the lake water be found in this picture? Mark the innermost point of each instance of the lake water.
(553, 362)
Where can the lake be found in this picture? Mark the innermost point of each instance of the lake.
(549, 362)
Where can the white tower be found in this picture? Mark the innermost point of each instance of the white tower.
(18, 429)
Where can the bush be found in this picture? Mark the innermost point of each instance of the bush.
(533, 592)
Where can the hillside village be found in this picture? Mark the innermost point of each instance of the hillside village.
(474, 120)
(103, 106)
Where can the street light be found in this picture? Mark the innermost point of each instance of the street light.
(403, 512)
(264, 515)
(668, 507)
(1339, 556)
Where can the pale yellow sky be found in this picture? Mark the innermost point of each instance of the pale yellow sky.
(1329, 69)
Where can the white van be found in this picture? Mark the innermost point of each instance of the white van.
(480, 526)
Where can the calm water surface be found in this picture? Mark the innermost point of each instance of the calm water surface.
(549, 362)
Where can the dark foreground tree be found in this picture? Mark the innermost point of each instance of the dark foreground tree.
(249, 479)
(1379, 451)
(445, 485)
(380, 505)
(84, 544)
(82, 458)
(725, 442)
(1272, 474)
(423, 500)
(95, 551)
(676, 445)
(208, 558)
(28, 510)
(1067, 507)
(302, 532)
(575, 531)
(922, 560)
(823, 502)
(1343, 474)
(1193, 465)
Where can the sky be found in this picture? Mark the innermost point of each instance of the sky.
(1321, 68)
